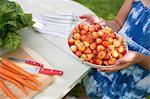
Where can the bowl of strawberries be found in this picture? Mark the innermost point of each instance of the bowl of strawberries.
(96, 45)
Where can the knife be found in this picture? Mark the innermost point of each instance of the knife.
(39, 69)
(48, 71)
(27, 61)
(45, 71)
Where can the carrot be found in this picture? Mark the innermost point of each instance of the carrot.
(14, 82)
(5, 67)
(6, 90)
(11, 65)
(22, 76)
(17, 78)
(8, 69)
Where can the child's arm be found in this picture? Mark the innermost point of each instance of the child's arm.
(118, 22)
(145, 62)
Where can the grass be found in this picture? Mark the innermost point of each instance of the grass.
(106, 9)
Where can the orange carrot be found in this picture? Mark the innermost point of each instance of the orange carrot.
(6, 90)
(8, 69)
(22, 76)
(11, 65)
(17, 78)
(12, 70)
(14, 82)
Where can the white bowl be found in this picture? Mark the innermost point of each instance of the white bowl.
(85, 62)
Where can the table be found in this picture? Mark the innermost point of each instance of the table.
(54, 49)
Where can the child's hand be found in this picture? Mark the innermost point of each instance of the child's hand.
(129, 59)
(93, 19)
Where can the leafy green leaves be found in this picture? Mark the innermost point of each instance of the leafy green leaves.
(12, 18)
(12, 41)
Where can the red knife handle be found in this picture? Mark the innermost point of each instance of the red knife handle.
(50, 71)
(34, 63)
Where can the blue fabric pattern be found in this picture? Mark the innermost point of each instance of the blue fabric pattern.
(133, 82)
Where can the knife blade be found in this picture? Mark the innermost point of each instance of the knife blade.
(27, 61)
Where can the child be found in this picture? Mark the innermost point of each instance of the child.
(130, 77)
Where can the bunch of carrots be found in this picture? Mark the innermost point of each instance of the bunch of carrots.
(17, 76)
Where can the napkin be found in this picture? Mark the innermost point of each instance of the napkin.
(54, 24)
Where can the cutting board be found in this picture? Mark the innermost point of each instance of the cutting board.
(27, 53)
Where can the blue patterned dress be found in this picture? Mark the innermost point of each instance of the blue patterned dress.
(133, 82)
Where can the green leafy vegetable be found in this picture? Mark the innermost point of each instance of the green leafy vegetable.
(12, 18)
(12, 41)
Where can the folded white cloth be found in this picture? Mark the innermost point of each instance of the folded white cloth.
(54, 24)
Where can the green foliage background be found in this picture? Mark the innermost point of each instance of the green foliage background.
(106, 9)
